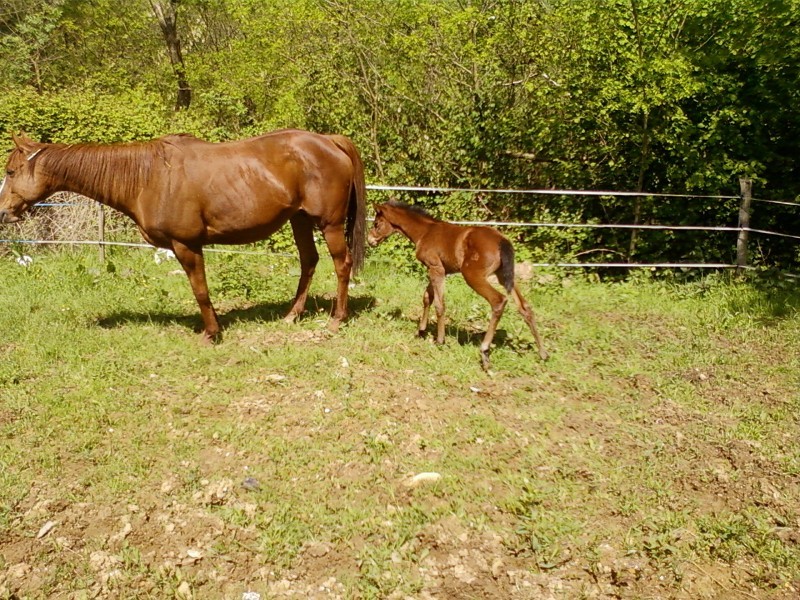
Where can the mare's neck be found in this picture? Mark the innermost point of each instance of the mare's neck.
(110, 174)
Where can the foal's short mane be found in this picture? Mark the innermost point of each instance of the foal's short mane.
(410, 208)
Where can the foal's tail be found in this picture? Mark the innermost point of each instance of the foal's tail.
(507, 264)
(356, 224)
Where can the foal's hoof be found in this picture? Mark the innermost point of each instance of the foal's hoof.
(422, 333)
(209, 339)
(485, 361)
(333, 325)
(543, 355)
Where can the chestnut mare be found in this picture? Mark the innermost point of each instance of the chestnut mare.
(444, 248)
(184, 193)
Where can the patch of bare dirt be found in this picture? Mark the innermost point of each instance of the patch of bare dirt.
(170, 543)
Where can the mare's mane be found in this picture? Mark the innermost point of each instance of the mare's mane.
(108, 170)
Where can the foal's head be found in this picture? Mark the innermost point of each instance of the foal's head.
(394, 216)
(21, 188)
(381, 227)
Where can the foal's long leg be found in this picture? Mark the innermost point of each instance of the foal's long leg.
(527, 314)
(191, 260)
(342, 262)
(476, 279)
(427, 298)
(303, 230)
(436, 275)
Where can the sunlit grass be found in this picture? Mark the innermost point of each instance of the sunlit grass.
(664, 426)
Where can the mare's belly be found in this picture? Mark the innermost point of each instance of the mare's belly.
(246, 222)
(244, 234)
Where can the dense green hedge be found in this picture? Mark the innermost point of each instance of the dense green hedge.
(653, 95)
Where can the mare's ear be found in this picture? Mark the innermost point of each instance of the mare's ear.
(22, 141)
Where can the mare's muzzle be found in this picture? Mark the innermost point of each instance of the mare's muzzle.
(6, 216)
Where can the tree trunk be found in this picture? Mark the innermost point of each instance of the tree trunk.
(644, 158)
(166, 11)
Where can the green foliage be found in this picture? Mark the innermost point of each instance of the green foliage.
(651, 95)
(83, 115)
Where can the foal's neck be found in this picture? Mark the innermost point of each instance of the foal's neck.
(413, 225)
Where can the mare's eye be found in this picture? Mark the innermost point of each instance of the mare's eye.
(10, 172)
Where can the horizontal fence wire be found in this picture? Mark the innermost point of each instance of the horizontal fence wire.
(779, 202)
(544, 192)
(263, 253)
(599, 226)
(139, 245)
(639, 265)
(529, 192)
(775, 233)
(540, 192)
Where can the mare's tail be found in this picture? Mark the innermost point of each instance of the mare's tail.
(356, 224)
(507, 264)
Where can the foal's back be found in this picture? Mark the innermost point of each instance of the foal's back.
(462, 247)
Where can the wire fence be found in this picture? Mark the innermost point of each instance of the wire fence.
(742, 230)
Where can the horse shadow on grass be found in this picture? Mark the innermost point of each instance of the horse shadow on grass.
(259, 313)
(471, 336)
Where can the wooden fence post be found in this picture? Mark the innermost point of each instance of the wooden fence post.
(101, 231)
(746, 189)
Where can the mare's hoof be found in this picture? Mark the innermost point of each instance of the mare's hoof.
(290, 318)
(422, 333)
(544, 355)
(333, 325)
(485, 361)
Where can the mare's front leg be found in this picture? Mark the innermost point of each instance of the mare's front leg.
(191, 259)
(436, 275)
(342, 263)
(303, 230)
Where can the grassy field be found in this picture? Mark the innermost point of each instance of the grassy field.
(655, 455)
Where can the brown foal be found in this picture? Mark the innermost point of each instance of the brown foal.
(444, 248)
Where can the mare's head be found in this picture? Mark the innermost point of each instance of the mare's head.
(21, 188)
(381, 227)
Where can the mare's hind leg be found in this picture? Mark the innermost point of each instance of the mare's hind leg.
(527, 314)
(476, 279)
(191, 260)
(303, 230)
(427, 298)
(342, 262)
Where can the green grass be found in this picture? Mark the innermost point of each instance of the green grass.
(656, 452)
